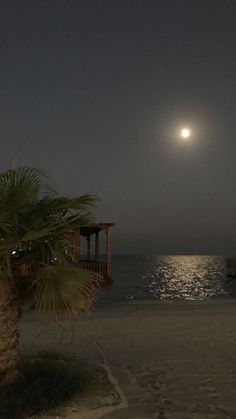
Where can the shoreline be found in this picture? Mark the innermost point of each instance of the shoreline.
(166, 305)
(143, 308)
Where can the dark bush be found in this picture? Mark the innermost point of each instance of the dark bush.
(44, 383)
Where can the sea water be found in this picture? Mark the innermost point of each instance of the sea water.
(173, 278)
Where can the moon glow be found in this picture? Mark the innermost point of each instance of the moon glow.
(185, 133)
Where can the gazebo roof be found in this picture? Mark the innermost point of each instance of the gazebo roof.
(94, 228)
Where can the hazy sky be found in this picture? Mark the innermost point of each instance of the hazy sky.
(94, 92)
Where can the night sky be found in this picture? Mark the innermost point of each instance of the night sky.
(95, 92)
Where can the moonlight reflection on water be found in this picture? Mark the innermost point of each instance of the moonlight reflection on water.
(149, 278)
(186, 277)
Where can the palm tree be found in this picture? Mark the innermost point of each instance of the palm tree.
(37, 267)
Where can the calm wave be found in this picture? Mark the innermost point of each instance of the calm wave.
(168, 278)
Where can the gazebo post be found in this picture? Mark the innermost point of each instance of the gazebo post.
(108, 251)
(88, 247)
(93, 263)
(76, 244)
(96, 246)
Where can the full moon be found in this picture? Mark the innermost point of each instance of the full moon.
(185, 133)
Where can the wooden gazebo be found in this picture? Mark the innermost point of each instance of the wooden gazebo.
(95, 264)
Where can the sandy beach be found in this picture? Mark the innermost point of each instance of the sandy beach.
(169, 360)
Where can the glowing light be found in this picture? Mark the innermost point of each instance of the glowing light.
(185, 133)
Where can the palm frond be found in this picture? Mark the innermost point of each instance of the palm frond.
(80, 203)
(45, 231)
(62, 288)
(19, 187)
(35, 226)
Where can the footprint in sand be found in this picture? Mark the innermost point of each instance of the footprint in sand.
(207, 386)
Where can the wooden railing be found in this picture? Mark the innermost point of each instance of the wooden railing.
(94, 266)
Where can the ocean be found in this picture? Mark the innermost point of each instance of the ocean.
(170, 278)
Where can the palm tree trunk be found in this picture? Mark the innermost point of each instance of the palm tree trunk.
(9, 333)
